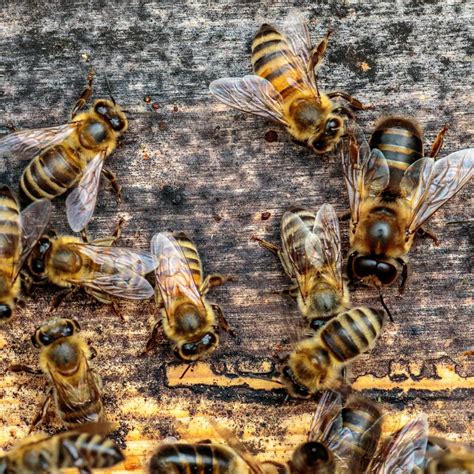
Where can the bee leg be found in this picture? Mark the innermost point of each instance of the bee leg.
(292, 292)
(112, 177)
(116, 310)
(42, 412)
(85, 236)
(438, 142)
(354, 103)
(318, 52)
(85, 96)
(61, 296)
(213, 280)
(93, 352)
(18, 368)
(404, 274)
(153, 341)
(426, 233)
(223, 324)
(267, 245)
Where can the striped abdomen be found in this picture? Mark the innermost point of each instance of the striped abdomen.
(10, 227)
(95, 450)
(181, 458)
(352, 333)
(273, 59)
(400, 140)
(192, 257)
(51, 174)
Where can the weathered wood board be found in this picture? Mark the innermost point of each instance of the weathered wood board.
(190, 163)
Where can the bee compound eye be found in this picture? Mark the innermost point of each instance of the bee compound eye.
(364, 266)
(45, 339)
(386, 272)
(5, 312)
(332, 126)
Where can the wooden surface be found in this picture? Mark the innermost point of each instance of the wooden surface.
(191, 164)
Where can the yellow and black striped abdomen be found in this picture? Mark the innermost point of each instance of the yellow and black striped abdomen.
(273, 59)
(400, 141)
(10, 226)
(51, 174)
(97, 451)
(181, 458)
(352, 333)
(192, 257)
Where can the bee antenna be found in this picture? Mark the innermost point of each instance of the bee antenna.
(109, 89)
(385, 306)
(185, 371)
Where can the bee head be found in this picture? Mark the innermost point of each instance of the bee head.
(312, 456)
(54, 330)
(112, 114)
(294, 388)
(37, 257)
(325, 141)
(193, 350)
(379, 271)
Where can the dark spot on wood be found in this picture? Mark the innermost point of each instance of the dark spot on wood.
(172, 195)
(271, 136)
(155, 105)
(147, 99)
(265, 216)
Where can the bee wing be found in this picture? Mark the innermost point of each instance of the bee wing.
(294, 237)
(125, 266)
(366, 171)
(34, 220)
(428, 184)
(323, 246)
(173, 275)
(297, 35)
(444, 451)
(251, 94)
(80, 203)
(28, 143)
(237, 445)
(405, 451)
(329, 406)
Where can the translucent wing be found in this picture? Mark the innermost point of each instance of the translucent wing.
(34, 220)
(328, 408)
(297, 36)
(459, 457)
(251, 94)
(80, 203)
(294, 236)
(427, 184)
(120, 271)
(28, 143)
(173, 275)
(405, 451)
(323, 246)
(366, 171)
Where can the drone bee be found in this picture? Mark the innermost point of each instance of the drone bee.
(64, 358)
(102, 270)
(188, 319)
(43, 454)
(283, 87)
(311, 257)
(316, 362)
(19, 232)
(70, 156)
(393, 191)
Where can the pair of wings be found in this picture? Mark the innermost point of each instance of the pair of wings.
(404, 451)
(311, 250)
(125, 269)
(34, 220)
(173, 275)
(425, 186)
(256, 95)
(80, 203)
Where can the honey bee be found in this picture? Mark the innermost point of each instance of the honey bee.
(316, 362)
(19, 232)
(189, 321)
(311, 257)
(70, 156)
(393, 190)
(284, 89)
(43, 454)
(101, 270)
(75, 386)
(448, 457)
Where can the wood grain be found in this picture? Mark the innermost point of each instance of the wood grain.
(189, 163)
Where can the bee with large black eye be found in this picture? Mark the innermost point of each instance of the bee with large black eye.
(316, 363)
(19, 232)
(100, 269)
(189, 321)
(75, 386)
(84, 450)
(283, 87)
(393, 190)
(70, 156)
(311, 257)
